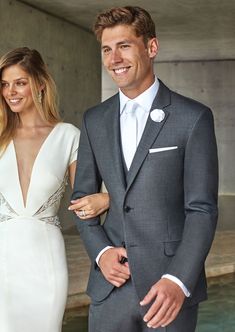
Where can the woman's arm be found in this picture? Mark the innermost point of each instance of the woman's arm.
(89, 206)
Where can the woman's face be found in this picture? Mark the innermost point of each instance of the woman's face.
(16, 89)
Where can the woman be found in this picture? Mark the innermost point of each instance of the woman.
(37, 155)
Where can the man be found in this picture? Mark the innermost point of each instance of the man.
(158, 160)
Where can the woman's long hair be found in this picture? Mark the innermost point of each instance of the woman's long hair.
(40, 81)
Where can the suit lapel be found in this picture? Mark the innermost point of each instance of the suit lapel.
(112, 124)
(151, 132)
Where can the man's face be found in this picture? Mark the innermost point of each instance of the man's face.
(128, 59)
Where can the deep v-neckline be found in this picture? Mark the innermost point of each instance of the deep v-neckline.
(33, 165)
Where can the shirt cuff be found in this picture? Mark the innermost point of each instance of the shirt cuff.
(178, 282)
(100, 254)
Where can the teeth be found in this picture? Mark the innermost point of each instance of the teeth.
(14, 101)
(120, 70)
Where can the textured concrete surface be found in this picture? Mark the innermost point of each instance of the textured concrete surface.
(187, 29)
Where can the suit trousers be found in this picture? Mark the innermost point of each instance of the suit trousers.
(121, 311)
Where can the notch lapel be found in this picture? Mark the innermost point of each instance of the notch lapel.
(112, 125)
(151, 132)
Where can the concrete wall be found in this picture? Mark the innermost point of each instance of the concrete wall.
(71, 53)
(212, 83)
(202, 74)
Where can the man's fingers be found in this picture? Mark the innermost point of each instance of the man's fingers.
(169, 317)
(167, 300)
(118, 275)
(150, 296)
(160, 315)
(122, 252)
(115, 272)
(153, 310)
(117, 282)
(120, 270)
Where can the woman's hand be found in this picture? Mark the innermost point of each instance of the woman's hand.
(90, 206)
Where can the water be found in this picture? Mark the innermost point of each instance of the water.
(217, 314)
(76, 324)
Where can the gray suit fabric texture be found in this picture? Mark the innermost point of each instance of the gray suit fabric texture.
(164, 209)
(121, 312)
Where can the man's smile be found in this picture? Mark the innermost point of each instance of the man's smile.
(121, 70)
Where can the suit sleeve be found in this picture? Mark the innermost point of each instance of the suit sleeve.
(200, 202)
(88, 181)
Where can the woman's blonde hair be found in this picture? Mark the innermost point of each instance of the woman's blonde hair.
(42, 86)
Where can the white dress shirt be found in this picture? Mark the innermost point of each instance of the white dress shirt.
(144, 101)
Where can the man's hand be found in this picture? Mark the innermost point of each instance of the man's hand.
(112, 268)
(168, 299)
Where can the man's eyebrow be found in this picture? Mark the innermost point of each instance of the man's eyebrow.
(126, 41)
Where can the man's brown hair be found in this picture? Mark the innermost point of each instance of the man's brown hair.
(137, 17)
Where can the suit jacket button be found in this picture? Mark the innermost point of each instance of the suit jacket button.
(127, 209)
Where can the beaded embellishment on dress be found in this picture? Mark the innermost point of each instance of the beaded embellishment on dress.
(9, 211)
(55, 198)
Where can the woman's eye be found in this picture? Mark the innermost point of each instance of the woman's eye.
(21, 83)
(4, 85)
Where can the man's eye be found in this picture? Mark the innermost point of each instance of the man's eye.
(125, 46)
(106, 50)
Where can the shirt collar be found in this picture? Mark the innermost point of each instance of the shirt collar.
(145, 99)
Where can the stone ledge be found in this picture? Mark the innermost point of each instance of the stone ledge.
(219, 270)
(79, 302)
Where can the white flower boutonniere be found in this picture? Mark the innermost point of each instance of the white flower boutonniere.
(157, 115)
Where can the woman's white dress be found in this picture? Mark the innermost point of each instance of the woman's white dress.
(33, 270)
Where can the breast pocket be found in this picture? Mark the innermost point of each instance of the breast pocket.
(163, 149)
(166, 158)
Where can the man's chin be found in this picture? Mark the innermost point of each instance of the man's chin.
(120, 81)
(120, 84)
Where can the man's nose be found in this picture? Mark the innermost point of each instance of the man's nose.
(116, 56)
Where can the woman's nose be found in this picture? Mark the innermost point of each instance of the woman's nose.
(11, 89)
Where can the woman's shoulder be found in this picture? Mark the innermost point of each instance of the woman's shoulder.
(68, 128)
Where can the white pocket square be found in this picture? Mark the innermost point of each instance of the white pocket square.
(167, 148)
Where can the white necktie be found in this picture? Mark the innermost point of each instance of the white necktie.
(129, 131)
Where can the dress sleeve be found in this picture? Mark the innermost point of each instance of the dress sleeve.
(74, 145)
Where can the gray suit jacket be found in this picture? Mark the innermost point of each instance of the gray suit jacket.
(165, 210)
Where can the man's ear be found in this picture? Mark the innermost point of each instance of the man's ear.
(153, 47)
